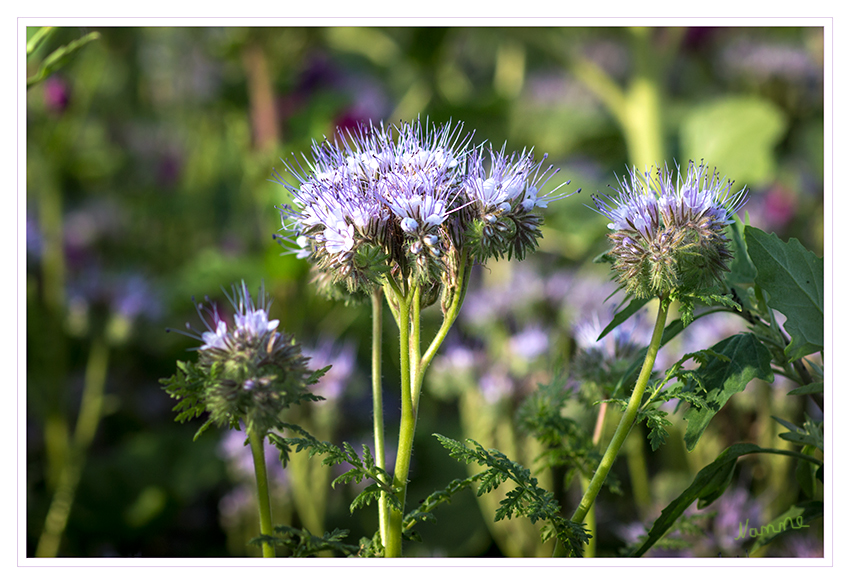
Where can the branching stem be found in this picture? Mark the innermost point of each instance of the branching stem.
(91, 409)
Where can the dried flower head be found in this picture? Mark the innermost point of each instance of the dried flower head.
(407, 200)
(668, 238)
(246, 369)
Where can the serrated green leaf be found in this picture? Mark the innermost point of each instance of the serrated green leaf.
(793, 277)
(744, 359)
(366, 496)
(655, 421)
(201, 430)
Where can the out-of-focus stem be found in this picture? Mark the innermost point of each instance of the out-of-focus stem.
(590, 548)
(88, 419)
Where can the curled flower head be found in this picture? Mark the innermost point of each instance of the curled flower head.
(668, 237)
(247, 370)
(409, 200)
(503, 197)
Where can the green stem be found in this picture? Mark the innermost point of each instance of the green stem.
(415, 347)
(377, 401)
(626, 422)
(413, 367)
(449, 318)
(263, 500)
(91, 409)
(407, 428)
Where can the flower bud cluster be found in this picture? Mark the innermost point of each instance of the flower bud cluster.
(409, 200)
(246, 369)
(669, 239)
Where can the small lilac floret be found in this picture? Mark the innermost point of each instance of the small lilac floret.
(217, 339)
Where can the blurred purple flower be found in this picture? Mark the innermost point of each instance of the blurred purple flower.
(515, 295)
(57, 94)
(761, 60)
(342, 359)
(496, 385)
(804, 546)
(130, 295)
(34, 239)
(529, 343)
(774, 209)
(734, 509)
(456, 357)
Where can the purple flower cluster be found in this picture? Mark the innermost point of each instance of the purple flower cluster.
(247, 370)
(411, 200)
(669, 237)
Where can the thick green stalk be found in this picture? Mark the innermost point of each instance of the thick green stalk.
(263, 500)
(91, 408)
(628, 418)
(413, 366)
(407, 428)
(377, 401)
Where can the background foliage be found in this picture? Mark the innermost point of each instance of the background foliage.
(148, 159)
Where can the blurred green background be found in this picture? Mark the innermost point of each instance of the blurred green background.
(149, 155)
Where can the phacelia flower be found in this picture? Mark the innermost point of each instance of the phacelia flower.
(408, 200)
(668, 238)
(247, 370)
(503, 199)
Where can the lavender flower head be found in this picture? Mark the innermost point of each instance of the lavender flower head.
(668, 239)
(409, 200)
(246, 371)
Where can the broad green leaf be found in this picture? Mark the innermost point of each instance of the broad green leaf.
(707, 486)
(737, 135)
(742, 273)
(746, 359)
(793, 277)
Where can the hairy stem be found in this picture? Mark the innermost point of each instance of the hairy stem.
(448, 320)
(626, 422)
(377, 401)
(407, 429)
(413, 366)
(263, 501)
